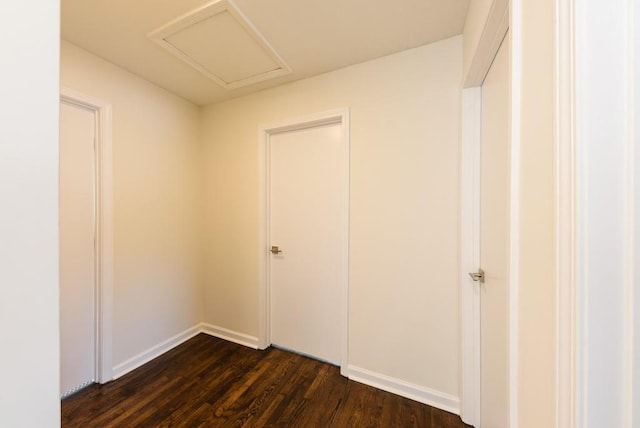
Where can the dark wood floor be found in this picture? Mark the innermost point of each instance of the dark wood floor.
(208, 382)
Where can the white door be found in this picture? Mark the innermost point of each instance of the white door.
(307, 185)
(77, 253)
(494, 242)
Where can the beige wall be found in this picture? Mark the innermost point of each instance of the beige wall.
(29, 361)
(537, 286)
(157, 222)
(405, 111)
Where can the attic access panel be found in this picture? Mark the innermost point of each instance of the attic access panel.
(221, 43)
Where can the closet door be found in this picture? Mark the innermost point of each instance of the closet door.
(494, 243)
(77, 247)
(307, 265)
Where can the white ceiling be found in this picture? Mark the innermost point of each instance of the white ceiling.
(312, 37)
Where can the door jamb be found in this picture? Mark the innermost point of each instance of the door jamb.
(104, 228)
(328, 117)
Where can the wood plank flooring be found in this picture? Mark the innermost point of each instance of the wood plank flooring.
(208, 382)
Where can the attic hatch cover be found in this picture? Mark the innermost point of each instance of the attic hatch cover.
(220, 42)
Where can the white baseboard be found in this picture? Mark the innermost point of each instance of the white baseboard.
(230, 335)
(415, 392)
(412, 391)
(159, 349)
(154, 352)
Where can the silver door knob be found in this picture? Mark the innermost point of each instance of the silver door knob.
(275, 249)
(477, 276)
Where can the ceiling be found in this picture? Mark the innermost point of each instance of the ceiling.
(311, 37)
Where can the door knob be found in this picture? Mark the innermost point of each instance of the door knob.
(477, 276)
(275, 249)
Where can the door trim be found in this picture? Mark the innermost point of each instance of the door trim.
(584, 92)
(565, 217)
(104, 228)
(340, 116)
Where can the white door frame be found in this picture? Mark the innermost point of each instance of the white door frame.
(496, 26)
(104, 228)
(340, 116)
(596, 77)
(565, 200)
